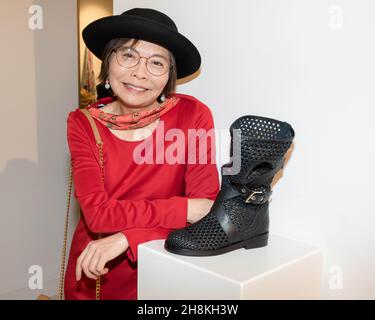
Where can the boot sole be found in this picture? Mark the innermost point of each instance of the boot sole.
(252, 243)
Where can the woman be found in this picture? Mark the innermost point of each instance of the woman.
(156, 178)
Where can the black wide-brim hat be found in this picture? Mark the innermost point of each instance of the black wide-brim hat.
(144, 24)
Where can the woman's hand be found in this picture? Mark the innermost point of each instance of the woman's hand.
(97, 253)
(198, 208)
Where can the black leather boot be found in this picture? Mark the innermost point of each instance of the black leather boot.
(239, 216)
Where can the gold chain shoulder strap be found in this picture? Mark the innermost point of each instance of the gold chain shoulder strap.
(99, 144)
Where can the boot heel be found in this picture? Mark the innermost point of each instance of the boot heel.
(257, 242)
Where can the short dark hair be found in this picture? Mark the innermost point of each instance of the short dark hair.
(117, 43)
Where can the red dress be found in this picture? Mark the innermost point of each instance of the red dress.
(145, 201)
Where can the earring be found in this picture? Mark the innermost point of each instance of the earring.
(162, 98)
(107, 85)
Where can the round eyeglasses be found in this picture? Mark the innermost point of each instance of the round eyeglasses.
(128, 57)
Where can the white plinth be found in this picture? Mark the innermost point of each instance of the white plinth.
(285, 269)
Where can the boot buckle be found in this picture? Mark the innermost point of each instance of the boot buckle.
(252, 196)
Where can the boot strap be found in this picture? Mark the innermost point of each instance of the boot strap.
(217, 209)
(256, 196)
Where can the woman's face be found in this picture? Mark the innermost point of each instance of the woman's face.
(149, 86)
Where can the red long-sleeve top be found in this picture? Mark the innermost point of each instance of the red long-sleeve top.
(145, 201)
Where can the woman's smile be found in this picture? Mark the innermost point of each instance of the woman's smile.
(133, 88)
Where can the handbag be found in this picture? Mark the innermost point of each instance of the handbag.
(99, 144)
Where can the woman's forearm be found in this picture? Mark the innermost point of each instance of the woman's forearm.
(198, 208)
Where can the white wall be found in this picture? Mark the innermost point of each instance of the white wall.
(39, 87)
(311, 63)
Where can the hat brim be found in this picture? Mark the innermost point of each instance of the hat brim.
(99, 32)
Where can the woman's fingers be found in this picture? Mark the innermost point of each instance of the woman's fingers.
(92, 264)
(84, 261)
(79, 264)
(101, 263)
(97, 253)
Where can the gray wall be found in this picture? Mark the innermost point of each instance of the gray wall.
(38, 90)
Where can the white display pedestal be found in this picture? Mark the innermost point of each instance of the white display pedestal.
(285, 269)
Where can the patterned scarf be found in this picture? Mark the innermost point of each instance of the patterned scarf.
(129, 121)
